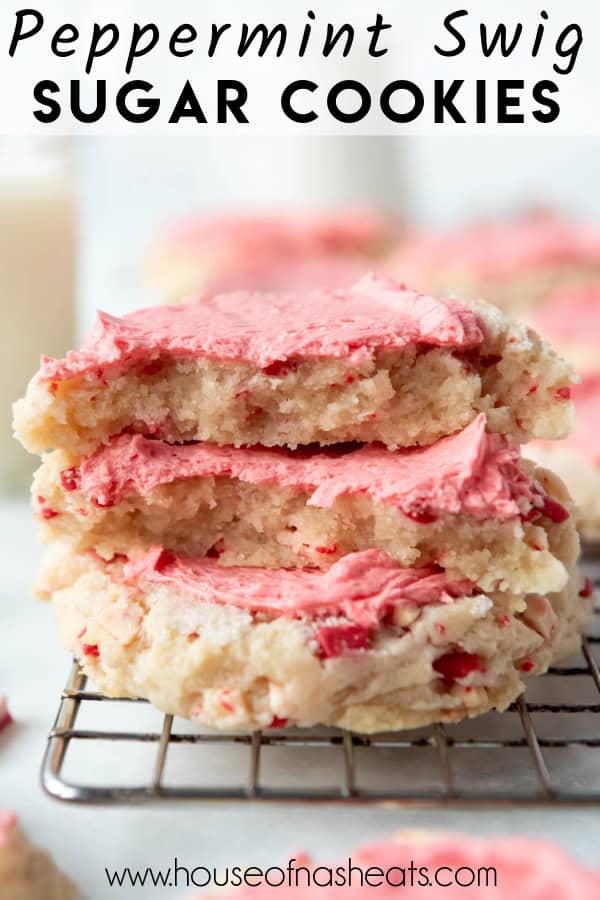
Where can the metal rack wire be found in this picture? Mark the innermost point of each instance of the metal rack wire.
(544, 750)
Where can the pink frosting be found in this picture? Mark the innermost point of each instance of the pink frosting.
(501, 248)
(525, 868)
(363, 586)
(572, 315)
(349, 230)
(470, 472)
(375, 313)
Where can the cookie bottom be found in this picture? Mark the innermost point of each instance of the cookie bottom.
(232, 670)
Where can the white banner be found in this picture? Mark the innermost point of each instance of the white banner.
(260, 67)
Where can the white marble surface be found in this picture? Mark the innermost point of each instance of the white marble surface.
(85, 840)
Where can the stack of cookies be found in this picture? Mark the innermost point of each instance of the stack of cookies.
(311, 507)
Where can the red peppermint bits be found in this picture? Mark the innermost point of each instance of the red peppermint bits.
(48, 513)
(166, 558)
(335, 640)
(91, 650)
(327, 551)
(152, 368)
(225, 701)
(422, 516)
(69, 478)
(526, 665)
(276, 722)
(119, 557)
(216, 550)
(280, 368)
(490, 360)
(588, 588)
(554, 511)
(533, 513)
(563, 393)
(349, 379)
(533, 389)
(457, 665)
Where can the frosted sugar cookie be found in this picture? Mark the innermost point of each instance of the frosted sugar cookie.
(365, 645)
(372, 363)
(467, 503)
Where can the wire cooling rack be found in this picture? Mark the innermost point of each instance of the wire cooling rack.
(544, 750)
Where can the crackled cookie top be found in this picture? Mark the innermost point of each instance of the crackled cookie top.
(374, 314)
(471, 472)
(361, 586)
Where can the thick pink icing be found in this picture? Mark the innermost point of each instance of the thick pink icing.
(525, 868)
(375, 313)
(571, 315)
(504, 247)
(349, 230)
(362, 586)
(470, 472)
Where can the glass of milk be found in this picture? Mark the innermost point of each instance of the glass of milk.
(37, 276)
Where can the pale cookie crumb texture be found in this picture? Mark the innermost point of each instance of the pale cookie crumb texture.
(27, 872)
(231, 669)
(412, 393)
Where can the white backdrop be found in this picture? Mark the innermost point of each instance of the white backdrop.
(132, 187)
